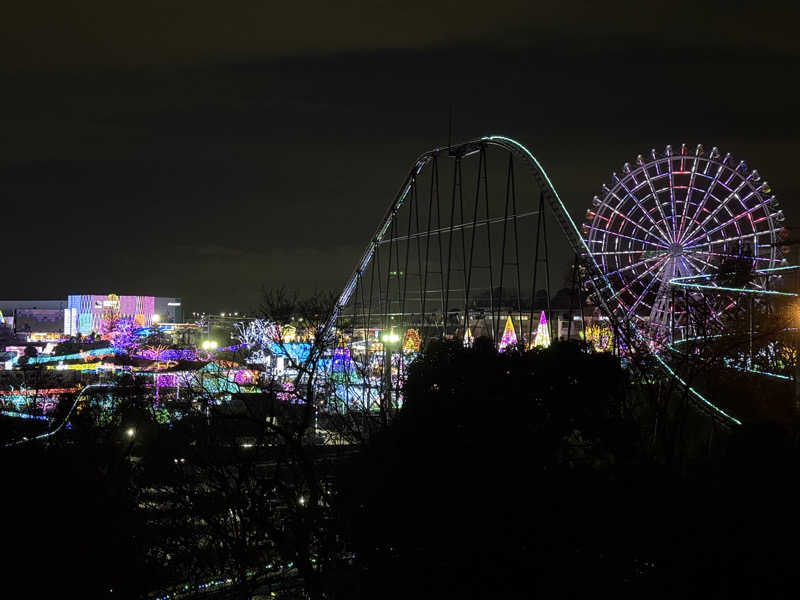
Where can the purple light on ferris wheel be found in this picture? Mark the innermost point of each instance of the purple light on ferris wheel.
(679, 214)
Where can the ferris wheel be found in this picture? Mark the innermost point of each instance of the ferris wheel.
(682, 215)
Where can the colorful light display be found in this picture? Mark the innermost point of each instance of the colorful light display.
(341, 360)
(97, 312)
(411, 341)
(600, 336)
(681, 217)
(509, 336)
(123, 334)
(542, 337)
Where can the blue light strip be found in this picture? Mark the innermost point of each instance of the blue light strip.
(688, 282)
(40, 360)
(66, 418)
(673, 345)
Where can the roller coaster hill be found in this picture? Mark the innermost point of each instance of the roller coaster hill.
(681, 258)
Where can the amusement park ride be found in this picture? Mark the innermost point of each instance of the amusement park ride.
(672, 247)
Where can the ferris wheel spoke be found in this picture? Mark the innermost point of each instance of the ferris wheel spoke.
(670, 237)
(725, 255)
(634, 265)
(733, 219)
(627, 237)
(700, 260)
(699, 231)
(703, 201)
(673, 206)
(638, 300)
(632, 222)
(664, 235)
(619, 252)
(690, 189)
(724, 203)
(637, 278)
(734, 238)
(661, 297)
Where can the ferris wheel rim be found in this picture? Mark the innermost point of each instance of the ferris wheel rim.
(657, 223)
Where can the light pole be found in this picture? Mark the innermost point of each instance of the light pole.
(389, 340)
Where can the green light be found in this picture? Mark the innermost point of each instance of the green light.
(685, 282)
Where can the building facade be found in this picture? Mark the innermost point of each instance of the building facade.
(85, 313)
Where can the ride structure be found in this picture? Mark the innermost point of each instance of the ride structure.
(452, 258)
(690, 222)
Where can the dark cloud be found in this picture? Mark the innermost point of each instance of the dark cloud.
(225, 166)
(49, 33)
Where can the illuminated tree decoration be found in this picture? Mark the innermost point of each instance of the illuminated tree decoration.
(288, 333)
(123, 336)
(509, 336)
(542, 338)
(110, 314)
(341, 360)
(600, 336)
(468, 339)
(411, 341)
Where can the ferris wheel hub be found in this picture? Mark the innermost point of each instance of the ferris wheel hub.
(676, 250)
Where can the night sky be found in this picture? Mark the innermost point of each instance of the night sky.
(204, 149)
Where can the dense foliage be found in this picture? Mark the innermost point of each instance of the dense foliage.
(511, 475)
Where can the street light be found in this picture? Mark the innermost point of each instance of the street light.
(209, 345)
(130, 432)
(389, 339)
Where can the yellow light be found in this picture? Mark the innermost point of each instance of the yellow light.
(131, 432)
(209, 345)
(156, 318)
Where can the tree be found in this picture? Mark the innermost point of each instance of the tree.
(69, 346)
(459, 489)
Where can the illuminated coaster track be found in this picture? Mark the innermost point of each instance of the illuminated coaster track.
(65, 420)
(707, 284)
(450, 257)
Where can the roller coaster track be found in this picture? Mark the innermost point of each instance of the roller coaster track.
(595, 282)
(63, 421)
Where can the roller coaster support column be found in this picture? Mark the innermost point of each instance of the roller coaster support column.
(386, 397)
(390, 341)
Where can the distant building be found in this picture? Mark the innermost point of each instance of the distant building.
(44, 320)
(89, 312)
(39, 324)
(169, 309)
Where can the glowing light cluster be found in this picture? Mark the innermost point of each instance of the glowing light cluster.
(676, 217)
(542, 338)
(509, 338)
